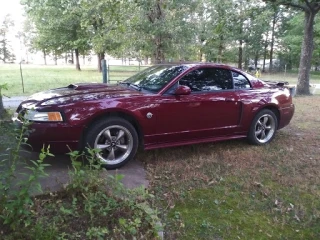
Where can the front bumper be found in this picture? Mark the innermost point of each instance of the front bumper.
(61, 137)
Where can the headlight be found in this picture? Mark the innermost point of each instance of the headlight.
(33, 115)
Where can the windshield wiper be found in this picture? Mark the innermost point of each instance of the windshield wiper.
(124, 83)
(135, 86)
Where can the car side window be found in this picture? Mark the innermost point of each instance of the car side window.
(240, 81)
(208, 79)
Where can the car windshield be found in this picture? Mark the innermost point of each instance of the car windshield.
(154, 78)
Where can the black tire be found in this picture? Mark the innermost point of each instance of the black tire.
(263, 127)
(117, 139)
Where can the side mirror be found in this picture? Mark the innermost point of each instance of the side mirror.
(182, 90)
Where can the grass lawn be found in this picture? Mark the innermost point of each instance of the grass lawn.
(39, 78)
(233, 190)
(226, 190)
(291, 77)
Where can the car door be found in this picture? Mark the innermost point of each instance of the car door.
(211, 110)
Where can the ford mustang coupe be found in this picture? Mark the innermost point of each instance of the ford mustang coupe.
(162, 106)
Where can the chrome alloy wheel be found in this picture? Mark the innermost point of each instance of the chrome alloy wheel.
(265, 128)
(115, 143)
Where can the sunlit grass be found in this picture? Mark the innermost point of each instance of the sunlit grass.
(39, 78)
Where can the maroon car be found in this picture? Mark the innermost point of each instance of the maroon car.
(162, 106)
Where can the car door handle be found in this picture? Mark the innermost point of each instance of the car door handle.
(229, 99)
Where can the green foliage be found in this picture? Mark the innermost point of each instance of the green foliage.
(58, 26)
(88, 208)
(6, 54)
(15, 198)
(2, 110)
(292, 40)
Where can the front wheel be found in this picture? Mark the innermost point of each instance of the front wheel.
(263, 127)
(116, 139)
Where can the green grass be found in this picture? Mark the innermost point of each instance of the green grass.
(233, 190)
(40, 78)
(230, 210)
(291, 77)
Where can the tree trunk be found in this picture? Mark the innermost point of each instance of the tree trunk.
(156, 14)
(2, 110)
(45, 57)
(77, 59)
(265, 55)
(274, 21)
(83, 59)
(158, 54)
(72, 59)
(220, 49)
(240, 54)
(200, 54)
(306, 54)
(100, 57)
(256, 58)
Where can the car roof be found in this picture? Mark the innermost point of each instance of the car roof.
(197, 64)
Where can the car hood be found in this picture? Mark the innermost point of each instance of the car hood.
(79, 92)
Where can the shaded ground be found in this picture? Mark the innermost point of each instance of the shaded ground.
(134, 173)
(231, 189)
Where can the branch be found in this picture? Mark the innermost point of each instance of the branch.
(304, 8)
(308, 4)
(317, 7)
(289, 4)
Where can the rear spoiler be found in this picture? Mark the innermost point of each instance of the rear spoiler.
(276, 83)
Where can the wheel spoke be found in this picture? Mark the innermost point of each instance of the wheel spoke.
(265, 120)
(263, 134)
(111, 155)
(259, 123)
(120, 135)
(102, 146)
(107, 134)
(268, 127)
(116, 143)
(123, 147)
(258, 132)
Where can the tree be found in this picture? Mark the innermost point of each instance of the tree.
(310, 9)
(5, 51)
(104, 22)
(58, 27)
(2, 110)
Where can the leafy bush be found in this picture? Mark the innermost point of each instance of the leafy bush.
(94, 205)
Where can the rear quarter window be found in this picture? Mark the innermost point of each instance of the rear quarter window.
(240, 81)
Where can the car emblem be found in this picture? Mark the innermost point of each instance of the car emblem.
(149, 115)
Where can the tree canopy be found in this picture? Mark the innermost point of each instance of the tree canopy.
(250, 33)
(6, 54)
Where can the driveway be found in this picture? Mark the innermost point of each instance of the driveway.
(12, 102)
(134, 173)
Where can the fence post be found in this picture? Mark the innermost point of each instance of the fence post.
(21, 77)
(104, 71)
(108, 72)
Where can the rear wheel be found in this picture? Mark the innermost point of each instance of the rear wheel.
(116, 139)
(263, 127)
